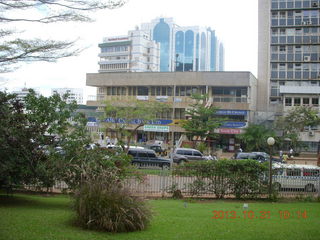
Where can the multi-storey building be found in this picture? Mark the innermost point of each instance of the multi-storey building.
(185, 48)
(234, 93)
(289, 53)
(289, 59)
(74, 94)
(162, 46)
(133, 53)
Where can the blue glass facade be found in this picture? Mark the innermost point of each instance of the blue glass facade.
(189, 49)
(213, 51)
(179, 61)
(197, 52)
(203, 50)
(161, 34)
(184, 48)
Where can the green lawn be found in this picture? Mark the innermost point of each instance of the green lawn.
(31, 217)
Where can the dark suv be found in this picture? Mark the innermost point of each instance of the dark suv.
(148, 158)
(181, 155)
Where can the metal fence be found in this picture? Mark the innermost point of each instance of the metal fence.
(164, 183)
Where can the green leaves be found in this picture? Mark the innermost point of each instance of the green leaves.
(255, 137)
(201, 120)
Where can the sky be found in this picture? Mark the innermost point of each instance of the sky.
(235, 22)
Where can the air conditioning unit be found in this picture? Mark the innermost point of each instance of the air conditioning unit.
(311, 133)
(306, 58)
(304, 23)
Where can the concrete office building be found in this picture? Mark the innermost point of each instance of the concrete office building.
(185, 48)
(135, 52)
(233, 92)
(289, 58)
(289, 54)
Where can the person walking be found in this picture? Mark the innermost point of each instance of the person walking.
(291, 153)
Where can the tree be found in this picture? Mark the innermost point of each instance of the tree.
(14, 49)
(29, 133)
(255, 137)
(127, 117)
(295, 121)
(202, 119)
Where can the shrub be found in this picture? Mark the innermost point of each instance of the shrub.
(109, 207)
(242, 178)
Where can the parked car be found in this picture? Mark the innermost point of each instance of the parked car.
(182, 155)
(148, 158)
(259, 156)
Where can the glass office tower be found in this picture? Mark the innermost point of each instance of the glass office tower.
(186, 48)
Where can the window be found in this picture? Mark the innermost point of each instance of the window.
(151, 155)
(305, 101)
(196, 153)
(288, 102)
(142, 154)
(297, 101)
(315, 101)
(293, 172)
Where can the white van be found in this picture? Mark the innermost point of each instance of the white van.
(296, 176)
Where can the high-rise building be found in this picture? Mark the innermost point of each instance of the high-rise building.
(135, 52)
(162, 46)
(289, 54)
(74, 94)
(185, 48)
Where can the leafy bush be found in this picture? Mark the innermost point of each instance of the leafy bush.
(107, 206)
(242, 178)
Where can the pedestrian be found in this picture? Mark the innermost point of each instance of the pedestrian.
(240, 149)
(280, 154)
(291, 153)
(285, 158)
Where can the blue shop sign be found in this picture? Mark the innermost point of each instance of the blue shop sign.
(138, 121)
(92, 119)
(233, 125)
(232, 112)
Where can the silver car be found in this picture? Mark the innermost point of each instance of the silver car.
(182, 155)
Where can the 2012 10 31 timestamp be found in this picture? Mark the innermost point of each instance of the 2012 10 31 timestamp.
(283, 214)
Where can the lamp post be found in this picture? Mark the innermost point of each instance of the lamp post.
(270, 142)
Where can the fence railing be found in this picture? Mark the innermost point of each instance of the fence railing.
(163, 183)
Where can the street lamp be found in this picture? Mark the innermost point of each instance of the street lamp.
(270, 142)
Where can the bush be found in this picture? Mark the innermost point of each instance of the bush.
(107, 207)
(242, 178)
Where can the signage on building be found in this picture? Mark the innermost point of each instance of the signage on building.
(228, 131)
(234, 125)
(232, 112)
(139, 121)
(162, 98)
(143, 98)
(92, 124)
(156, 128)
(118, 39)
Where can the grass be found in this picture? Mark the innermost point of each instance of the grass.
(33, 217)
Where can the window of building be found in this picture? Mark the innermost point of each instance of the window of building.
(288, 102)
(153, 91)
(315, 101)
(305, 101)
(164, 91)
(143, 91)
(158, 91)
(297, 101)
(169, 91)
